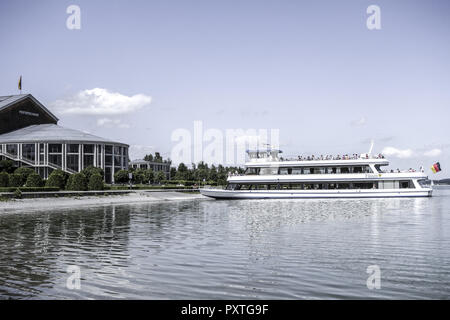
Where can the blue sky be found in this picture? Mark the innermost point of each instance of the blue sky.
(311, 69)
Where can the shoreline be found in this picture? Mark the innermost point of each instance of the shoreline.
(40, 204)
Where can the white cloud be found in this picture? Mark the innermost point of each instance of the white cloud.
(358, 123)
(432, 153)
(99, 101)
(397, 153)
(112, 123)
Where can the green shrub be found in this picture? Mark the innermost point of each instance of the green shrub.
(34, 180)
(76, 182)
(18, 194)
(149, 176)
(89, 171)
(4, 179)
(121, 176)
(160, 176)
(57, 179)
(15, 180)
(7, 166)
(96, 182)
(28, 189)
(24, 172)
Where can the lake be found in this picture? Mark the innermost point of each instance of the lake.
(242, 249)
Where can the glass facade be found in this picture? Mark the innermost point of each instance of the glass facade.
(71, 157)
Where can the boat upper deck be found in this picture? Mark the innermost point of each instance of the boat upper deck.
(267, 162)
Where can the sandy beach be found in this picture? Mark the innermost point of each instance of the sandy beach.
(89, 201)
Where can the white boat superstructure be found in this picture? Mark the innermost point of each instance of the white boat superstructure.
(267, 175)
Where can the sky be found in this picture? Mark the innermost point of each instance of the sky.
(140, 72)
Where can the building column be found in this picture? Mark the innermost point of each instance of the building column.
(80, 157)
(95, 155)
(64, 153)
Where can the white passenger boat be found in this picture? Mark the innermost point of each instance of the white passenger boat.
(267, 175)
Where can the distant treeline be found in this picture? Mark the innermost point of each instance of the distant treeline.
(199, 174)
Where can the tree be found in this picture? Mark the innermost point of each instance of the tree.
(96, 182)
(149, 176)
(173, 172)
(34, 180)
(182, 172)
(89, 171)
(158, 157)
(7, 165)
(121, 176)
(15, 180)
(4, 179)
(57, 179)
(24, 172)
(138, 176)
(148, 157)
(160, 176)
(77, 182)
(212, 173)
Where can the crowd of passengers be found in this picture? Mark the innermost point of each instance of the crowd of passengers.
(354, 156)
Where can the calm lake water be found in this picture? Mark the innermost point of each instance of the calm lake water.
(245, 249)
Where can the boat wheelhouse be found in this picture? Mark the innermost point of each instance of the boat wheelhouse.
(267, 175)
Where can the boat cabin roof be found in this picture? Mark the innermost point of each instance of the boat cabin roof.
(318, 163)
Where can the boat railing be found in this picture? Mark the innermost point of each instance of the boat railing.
(331, 158)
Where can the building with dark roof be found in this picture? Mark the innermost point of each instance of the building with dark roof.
(30, 136)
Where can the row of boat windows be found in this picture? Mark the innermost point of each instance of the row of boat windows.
(323, 186)
(305, 170)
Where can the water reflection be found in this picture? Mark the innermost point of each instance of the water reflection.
(230, 249)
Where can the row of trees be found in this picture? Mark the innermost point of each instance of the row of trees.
(90, 178)
(199, 173)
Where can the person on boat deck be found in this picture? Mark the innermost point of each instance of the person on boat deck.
(398, 170)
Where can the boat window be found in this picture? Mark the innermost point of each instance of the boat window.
(364, 185)
(306, 171)
(231, 186)
(252, 171)
(406, 184)
(284, 171)
(345, 170)
(296, 170)
(268, 171)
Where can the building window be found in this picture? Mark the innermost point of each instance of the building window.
(28, 151)
(73, 148)
(55, 159)
(108, 172)
(54, 148)
(11, 149)
(108, 149)
(88, 148)
(88, 160)
(108, 160)
(72, 162)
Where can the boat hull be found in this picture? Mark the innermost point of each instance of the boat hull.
(311, 194)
